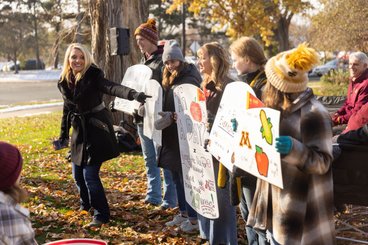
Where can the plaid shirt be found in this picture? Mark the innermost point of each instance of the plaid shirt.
(302, 212)
(15, 225)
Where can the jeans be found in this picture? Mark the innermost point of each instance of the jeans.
(271, 238)
(154, 193)
(248, 188)
(91, 191)
(184, 207)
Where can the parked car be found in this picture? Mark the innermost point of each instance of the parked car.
(32, 65)
(329, 67)
(9, 66)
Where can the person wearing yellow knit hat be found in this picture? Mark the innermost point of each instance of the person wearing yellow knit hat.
(301, 212)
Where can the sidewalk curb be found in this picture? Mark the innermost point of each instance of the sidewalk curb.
(28, 107)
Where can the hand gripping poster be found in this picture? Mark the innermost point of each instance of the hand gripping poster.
(198, 171)
(135, 77)
(244, 134)
(152, 107)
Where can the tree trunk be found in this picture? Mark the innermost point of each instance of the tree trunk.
(282, 33)
(35, 26)
(79, 18)
(55, 46)
(106, 14)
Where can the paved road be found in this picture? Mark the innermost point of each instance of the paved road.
(28, 87)
(28, 92)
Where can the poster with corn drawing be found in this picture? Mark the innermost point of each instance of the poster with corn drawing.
(244, 133)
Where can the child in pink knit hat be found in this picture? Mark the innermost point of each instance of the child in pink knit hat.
(15, 225)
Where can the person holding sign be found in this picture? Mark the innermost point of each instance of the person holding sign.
(301, 212)
(248, 60)
(214, 65)
(146, 36)
(82, 85)
(176, 72)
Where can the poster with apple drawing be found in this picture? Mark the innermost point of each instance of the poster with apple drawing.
(253, 129)
(254, 140)
(152, 107)
(197, 165)
(135, 77)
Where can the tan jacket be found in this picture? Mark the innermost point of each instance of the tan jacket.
(302, 212)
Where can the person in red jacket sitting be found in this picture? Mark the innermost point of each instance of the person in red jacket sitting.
(357, 94)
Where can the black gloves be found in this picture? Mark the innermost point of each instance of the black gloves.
(137, 118)
(206, 143)
(141, 97)
(68, 156)
(60, 143)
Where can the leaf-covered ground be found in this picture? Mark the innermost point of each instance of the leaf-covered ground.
(53, 200)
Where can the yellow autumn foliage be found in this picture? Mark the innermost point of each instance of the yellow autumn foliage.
(244, 17)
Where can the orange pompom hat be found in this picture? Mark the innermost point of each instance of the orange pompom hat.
(148, 30)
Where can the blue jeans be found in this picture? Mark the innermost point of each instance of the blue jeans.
(91, 191)
(271, 238)
(184, 207)
(154, 193)
(248, 188)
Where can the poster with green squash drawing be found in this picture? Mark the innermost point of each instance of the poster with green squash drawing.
(244, 133)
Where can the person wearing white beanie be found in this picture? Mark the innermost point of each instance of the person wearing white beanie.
(301, 212)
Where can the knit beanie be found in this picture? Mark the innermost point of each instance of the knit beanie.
(288, 71)
(172, 51)
(10, 165)
(148, 30)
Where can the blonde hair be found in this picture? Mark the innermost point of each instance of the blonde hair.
(249, 47)
(17, 193)
(168, 77)
(66, 73)
(220, 63)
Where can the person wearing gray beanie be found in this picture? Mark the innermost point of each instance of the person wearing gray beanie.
(176, 72)
(172, 51)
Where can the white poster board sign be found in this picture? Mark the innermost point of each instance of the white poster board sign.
(244, 134)
(152, 107)
(222, 136)
(197, 165)
(135, 77)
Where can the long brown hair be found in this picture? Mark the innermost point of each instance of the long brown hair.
(274, 98)
(168, 77)
(17, 193)
(220, 63)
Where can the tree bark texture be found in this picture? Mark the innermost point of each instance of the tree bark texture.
(106, 14)
(282, 32)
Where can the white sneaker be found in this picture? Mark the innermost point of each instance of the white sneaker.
(178, 220)
(188, 227)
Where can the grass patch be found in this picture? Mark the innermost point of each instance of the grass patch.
(327, 89)
(54, 201)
